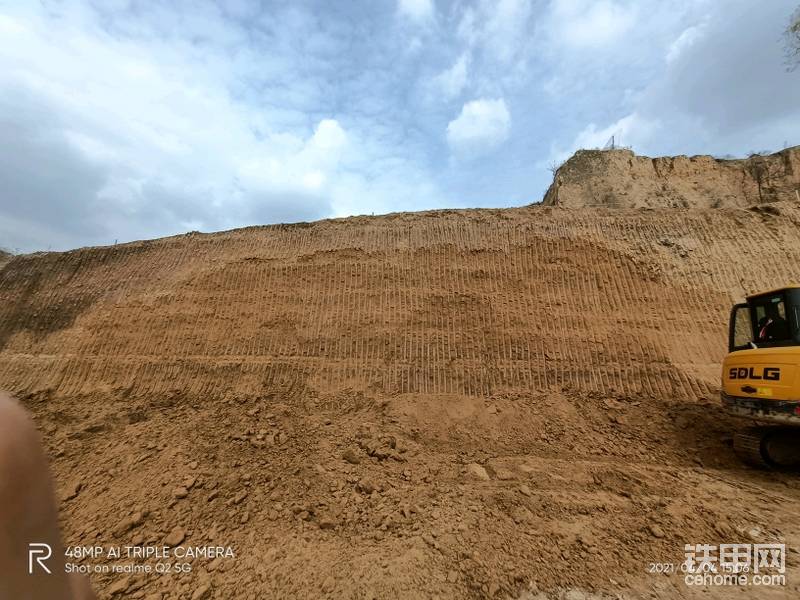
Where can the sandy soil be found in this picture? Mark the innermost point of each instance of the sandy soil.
(622, 179)
(492, 403)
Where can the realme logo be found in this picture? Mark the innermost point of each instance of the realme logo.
(768, 373)
(39, 553)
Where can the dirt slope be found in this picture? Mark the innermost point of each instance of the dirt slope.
(486, 403)
(619, 178)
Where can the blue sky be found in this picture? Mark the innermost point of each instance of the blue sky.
(124, 120)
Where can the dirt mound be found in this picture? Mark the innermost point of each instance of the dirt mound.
(620, 179)
(485, 403)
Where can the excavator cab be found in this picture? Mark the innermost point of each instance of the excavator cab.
(761, 376)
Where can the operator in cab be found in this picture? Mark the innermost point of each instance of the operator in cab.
(772, 327)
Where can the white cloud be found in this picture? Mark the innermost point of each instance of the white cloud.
(162, 126)
(329, 136)
(149, 134)
(452, 81)
(712, 90)
(482, 125)
(632, 130)
(627, 131)
(684, 41)
(589, 23)
(501, 27)
(417, 10)
(310, 166)
(141, 119)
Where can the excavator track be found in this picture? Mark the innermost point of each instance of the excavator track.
(748, 446)
(768, 447)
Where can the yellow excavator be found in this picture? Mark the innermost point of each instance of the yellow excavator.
(761, 377)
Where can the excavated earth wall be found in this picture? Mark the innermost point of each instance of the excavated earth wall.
(621, 179)
(477, 403)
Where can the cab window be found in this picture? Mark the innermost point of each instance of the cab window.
(769, 319)
(741, 335)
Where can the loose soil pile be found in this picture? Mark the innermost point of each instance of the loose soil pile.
(484, 403)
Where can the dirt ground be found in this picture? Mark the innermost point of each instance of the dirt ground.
(513, 403)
